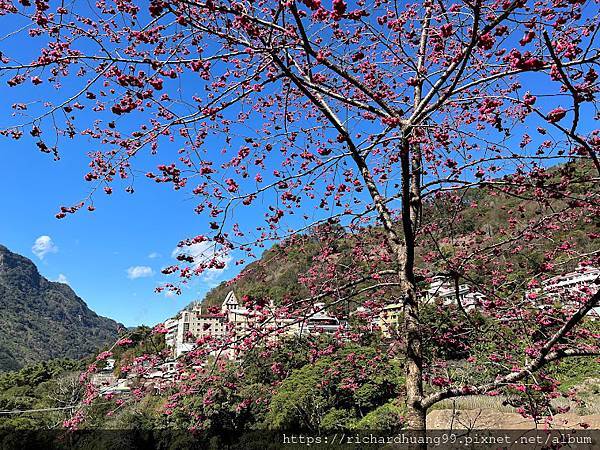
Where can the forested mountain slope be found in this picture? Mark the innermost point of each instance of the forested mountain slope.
(41, 319)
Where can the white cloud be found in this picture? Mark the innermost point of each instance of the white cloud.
(154, 255)
(62, 279)
(204, 252)
(42, 246)
(139, 272)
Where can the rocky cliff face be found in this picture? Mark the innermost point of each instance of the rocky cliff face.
(41, 319)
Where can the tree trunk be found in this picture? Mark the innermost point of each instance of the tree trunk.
(416, 414)
(414, 362)
(412, 333)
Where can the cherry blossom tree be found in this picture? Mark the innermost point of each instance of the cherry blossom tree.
(374, 122)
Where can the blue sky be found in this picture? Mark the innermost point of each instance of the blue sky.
(112, 257)
(95, 250)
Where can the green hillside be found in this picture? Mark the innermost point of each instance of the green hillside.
(42, 319)
(275, 275)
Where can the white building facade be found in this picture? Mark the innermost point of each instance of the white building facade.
(584, 280)
(234, 319)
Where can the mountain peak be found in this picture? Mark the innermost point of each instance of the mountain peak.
(42, 319)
